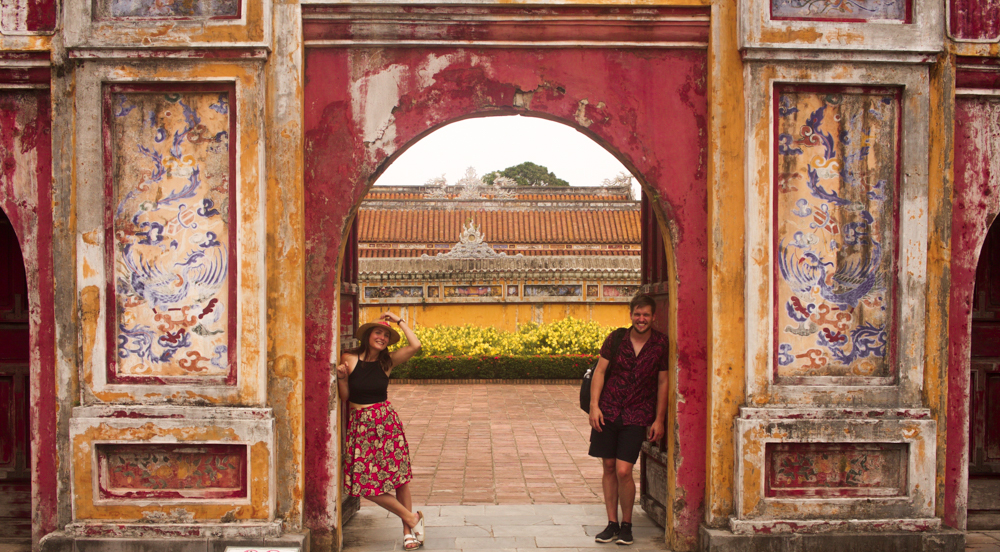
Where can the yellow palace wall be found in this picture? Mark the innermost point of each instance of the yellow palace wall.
(503, 316)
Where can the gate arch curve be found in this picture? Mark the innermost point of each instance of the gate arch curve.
(364, 106)
(26, 200)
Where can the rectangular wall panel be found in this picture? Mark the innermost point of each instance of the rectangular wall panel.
(841, 10)
(172, 471)
(170, 240)
(846, 470)
(166, 9)
(835, 217)
(974, 19)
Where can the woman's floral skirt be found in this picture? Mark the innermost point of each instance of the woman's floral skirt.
(377, 458)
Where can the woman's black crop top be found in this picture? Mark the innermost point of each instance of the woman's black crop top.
(368, 383)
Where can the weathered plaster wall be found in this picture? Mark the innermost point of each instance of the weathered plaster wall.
(789, 412)
(170, 425)
(365, 105)
(975, 207)
(286, 258)
(726, 258)
(95, 280)
(25, 188)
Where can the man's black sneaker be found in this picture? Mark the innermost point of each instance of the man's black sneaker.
(625, 534)
(609, 533)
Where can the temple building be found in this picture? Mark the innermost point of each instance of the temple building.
(499, 256)
(182, 181)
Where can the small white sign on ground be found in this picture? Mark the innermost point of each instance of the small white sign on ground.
(260, 549)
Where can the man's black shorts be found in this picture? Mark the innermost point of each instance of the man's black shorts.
(617, 441)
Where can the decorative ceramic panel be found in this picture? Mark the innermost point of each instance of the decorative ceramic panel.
(553, 291)
(836, 469)
(171, 241)
(620, 291)
(841, 10)
(433, 291)
(388, 292)
(167, 9)
(472, 291)
(513, 291)
(593, 290)
(835, 231)
(172, 471)
(974, 19)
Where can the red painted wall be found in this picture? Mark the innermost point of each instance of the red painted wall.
(973, 209)
(25, 123)
(647, 106)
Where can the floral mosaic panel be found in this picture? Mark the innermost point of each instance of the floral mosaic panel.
(168, 9)
(389, 292)
(836, 469)
(171, 246)
(841, 10)
(835, 235)
(472, 291)
(553, 291)
(172, 471)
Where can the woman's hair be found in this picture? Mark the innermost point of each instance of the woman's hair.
(384, 360)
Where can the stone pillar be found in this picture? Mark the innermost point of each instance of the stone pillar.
(836, 442)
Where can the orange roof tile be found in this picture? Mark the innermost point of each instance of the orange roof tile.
(518, 227)
(393, 195)
(381, 253)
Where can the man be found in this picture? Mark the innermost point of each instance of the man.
(628, 404)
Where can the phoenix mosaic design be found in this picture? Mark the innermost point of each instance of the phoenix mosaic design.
(171, 244)
(836, 174)
(862, 10)
(170, 9)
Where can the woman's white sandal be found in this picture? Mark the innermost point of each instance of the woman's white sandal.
(408, 542)
(418, 528)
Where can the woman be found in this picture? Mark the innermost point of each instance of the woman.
(377, 462)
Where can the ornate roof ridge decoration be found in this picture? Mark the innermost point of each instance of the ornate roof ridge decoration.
(471, 245)
(491, 205)
(440, 182)
(428, 267)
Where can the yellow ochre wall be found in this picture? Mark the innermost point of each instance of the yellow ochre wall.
(503, 316)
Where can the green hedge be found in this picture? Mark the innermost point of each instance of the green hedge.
(495, 367)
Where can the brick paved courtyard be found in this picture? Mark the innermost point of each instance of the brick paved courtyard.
(498, 444)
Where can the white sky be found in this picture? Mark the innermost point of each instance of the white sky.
(495, 143)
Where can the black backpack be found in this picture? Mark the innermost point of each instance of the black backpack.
(616, 340)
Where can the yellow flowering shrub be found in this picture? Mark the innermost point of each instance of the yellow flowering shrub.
(563, 337)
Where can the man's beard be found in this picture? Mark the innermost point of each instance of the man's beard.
(637, 330)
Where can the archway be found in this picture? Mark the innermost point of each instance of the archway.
(15, 374)
(567, 253)
(25, 199)
(983, 504)
(647, 104)
(975, 208)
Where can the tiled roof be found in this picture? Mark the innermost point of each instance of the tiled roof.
(500, 227)
(383, 253)
(377, 195)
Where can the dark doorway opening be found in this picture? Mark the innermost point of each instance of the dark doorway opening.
(15, 435)
(984, 390)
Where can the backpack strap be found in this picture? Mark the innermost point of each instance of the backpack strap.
(616, 342)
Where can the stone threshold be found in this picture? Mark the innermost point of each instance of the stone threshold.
(409, 381)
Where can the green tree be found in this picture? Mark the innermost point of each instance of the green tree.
(527, 174)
